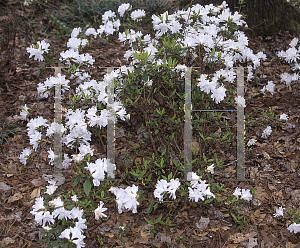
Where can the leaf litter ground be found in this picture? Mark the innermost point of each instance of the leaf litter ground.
(273, 164)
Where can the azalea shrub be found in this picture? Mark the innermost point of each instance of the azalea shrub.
(207, 35)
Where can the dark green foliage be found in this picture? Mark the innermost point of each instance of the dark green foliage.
(68, 14)
(264, 17)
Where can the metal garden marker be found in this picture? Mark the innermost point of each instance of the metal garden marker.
(58, 176)
(110, 128)
(240, 166)
(188, 126)
(110, 154)
(240, 127)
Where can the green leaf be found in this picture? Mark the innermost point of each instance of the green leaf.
(150, 208)
(208, 200)
(145, 76)
(136, 55)
(158, 219)
(201, 136)
(134, 45)
(150, 222)
(65, 245)
(87, 186)
(76, 181)
(130, 101)
(194, 160)
(138, 70)
(55, 243)
(134, 174)
(170, 176)
(122, 240)
(144, 56)
(164, 60)
(234, 217)
(213, 51)
(225, 136)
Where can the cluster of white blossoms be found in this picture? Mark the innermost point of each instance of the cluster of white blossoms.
(123, 8)
(34, 131)
(284, 117)
(205, 26)
(99, 211)
(243, 193)
(45, 87)
(279, 212)
(270, 87)
(74, 42)
(199, 189)
(98, 170)
(137, 15)
(289, 78)
(251, 142)
(294, 227)
(73, 55)
(75, 130)
(38, 50)
(126, 198)
(215, 21)
(292, 55)
(24, 155)
(163, 186)
(266, 132)
(45, 217)
(24, 112)
(240, 101)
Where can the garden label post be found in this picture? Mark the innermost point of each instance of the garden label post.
(188, 126)
(58, 176)
(240, 166)
(240, 156)
(110, 143)
(110, 128)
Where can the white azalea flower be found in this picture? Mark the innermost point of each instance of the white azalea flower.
(279, 212)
